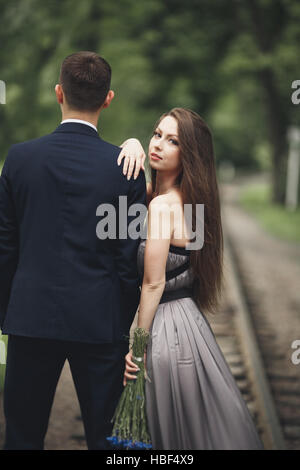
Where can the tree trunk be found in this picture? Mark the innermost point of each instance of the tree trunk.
(277, 120)
(277, 135)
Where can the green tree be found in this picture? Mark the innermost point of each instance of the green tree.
(233, 62)
(266, 50)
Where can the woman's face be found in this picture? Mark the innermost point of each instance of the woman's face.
(164, 146)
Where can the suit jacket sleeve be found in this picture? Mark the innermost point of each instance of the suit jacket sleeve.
(9, 245)
(126, 254)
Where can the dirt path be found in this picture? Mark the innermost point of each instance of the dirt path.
(65, 430)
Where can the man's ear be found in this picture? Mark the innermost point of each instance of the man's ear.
(59, 94)
(108, 99)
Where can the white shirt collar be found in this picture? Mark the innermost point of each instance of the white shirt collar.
(80, 122)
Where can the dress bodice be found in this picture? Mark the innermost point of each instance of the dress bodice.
(178, 272)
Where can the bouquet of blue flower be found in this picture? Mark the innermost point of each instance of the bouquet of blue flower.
(130, 429)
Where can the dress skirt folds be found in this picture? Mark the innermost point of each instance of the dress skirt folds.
(192, 401)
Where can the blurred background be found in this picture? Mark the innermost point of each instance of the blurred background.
(231, 61)
(234, 62)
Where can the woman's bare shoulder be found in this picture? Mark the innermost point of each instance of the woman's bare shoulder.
(161, 199)
(168, 199)
(173, 197)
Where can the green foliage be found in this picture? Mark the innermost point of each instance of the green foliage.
(273, 218)
(207, 56)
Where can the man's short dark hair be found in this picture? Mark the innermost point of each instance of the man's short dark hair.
(85, 80)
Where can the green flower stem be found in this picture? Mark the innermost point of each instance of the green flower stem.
(130, 420)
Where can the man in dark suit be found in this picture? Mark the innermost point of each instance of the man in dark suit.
(66, 294)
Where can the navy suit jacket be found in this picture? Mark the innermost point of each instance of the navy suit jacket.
(58, 279)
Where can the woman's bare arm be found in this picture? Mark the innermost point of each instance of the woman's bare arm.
(156, 252)
(155, 259)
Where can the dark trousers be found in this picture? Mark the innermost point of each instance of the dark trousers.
(32, 371)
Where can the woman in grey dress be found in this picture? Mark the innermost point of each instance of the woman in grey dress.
(192, 399)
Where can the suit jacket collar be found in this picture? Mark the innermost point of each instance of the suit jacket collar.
(77, 128)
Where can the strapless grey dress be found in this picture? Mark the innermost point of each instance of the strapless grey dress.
(192, 401)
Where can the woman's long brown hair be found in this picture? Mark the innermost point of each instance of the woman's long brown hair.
(198, 185)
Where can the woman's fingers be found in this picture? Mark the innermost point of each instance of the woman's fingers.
(126, 164)
(129, 161)
(137, 169)
(128, 376)
(130, 369)
(130, 364)
(132, 162)
(122, 154)
(120, 158)
(134, 156)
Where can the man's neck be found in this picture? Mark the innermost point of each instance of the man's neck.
(88, 117)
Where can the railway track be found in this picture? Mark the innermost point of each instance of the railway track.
(236, 335)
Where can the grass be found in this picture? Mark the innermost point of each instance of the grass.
(275, 219)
